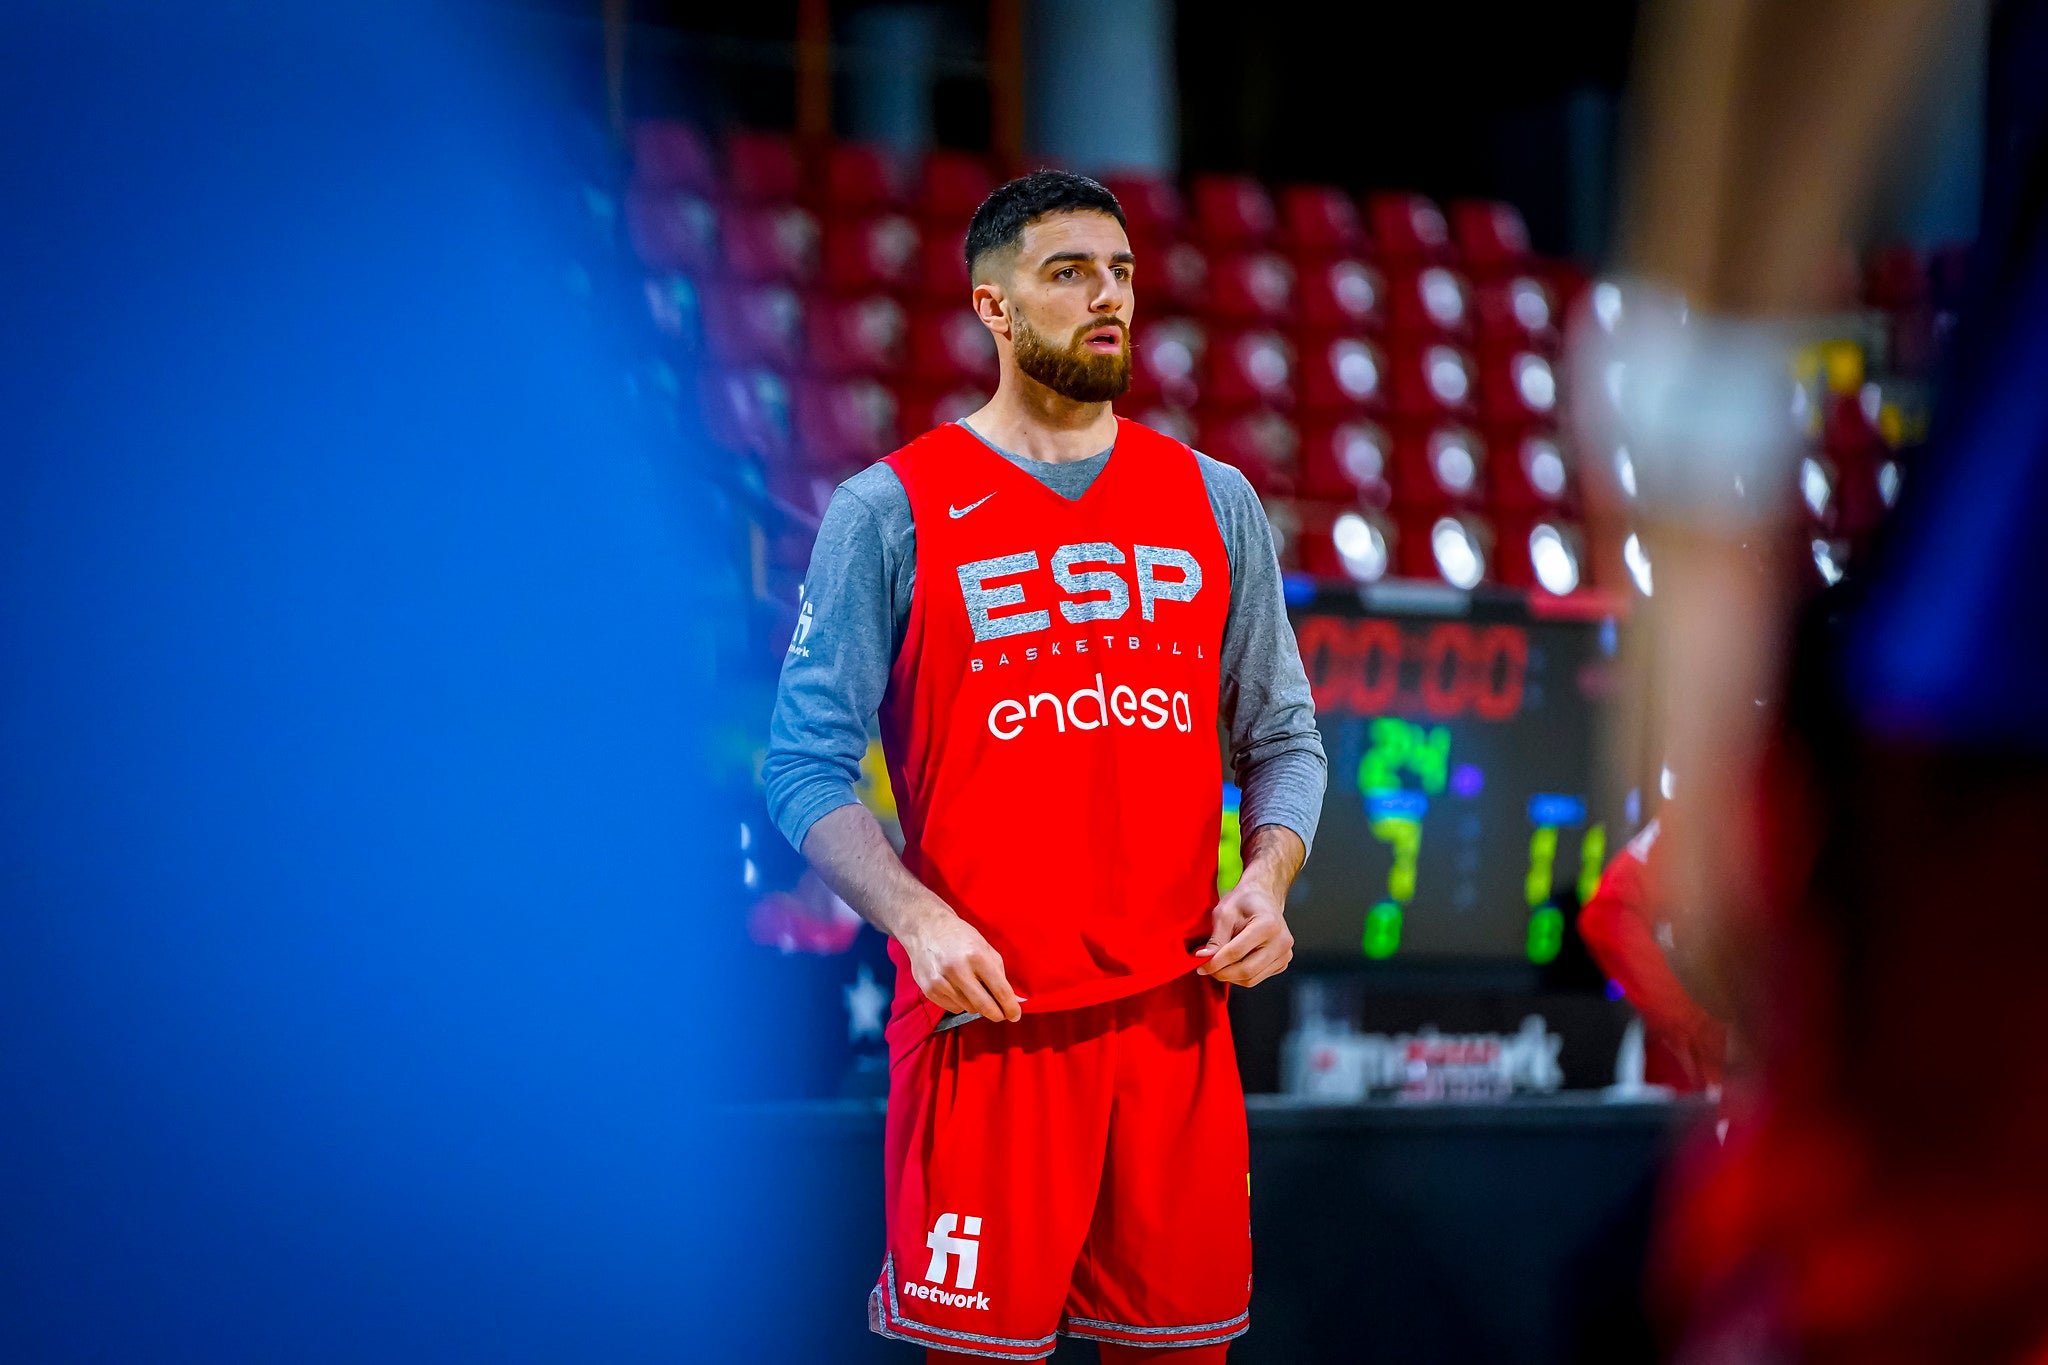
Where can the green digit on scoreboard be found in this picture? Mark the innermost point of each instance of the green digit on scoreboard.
(1382, 930)
(1592, 860)
(1542, 863)
(1546, 935)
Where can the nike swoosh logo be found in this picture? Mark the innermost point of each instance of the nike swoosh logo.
(953, 511)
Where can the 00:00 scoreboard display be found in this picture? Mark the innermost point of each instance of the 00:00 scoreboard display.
(1461, 819)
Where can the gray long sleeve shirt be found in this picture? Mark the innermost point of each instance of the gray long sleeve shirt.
(857, 599)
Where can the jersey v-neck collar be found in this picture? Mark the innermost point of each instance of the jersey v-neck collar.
(1014, 464)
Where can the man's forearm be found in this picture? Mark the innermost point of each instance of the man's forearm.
(1272, 857)
(851, 854)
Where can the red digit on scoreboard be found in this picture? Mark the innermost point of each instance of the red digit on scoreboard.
(1503, 655)
(1448, 677)
(1326, 657)
(1378, 670)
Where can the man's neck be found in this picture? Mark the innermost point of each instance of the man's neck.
(1026, 418)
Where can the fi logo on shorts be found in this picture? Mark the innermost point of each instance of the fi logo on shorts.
(955, 1254)
(947, 1249)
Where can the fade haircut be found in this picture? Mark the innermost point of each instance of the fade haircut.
(1000, 221)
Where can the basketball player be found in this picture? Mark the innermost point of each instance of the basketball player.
(1054, 608)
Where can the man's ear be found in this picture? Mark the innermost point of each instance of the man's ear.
(992, 307)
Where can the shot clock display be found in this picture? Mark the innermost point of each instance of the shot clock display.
(1461, 820)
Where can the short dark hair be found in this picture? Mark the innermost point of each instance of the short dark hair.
(1003, 216)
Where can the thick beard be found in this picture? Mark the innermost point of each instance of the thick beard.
(1072, 372)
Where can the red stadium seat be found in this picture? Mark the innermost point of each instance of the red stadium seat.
(1152, 206)
(1319, 221)
(950, 347)
(676, 309)
(1166, 360)
(846, 421)
(1451, 547)
(1334, 540)
(1176, 422)
(1529, 472)
(1439, 465)
(1247, 368)
(1179, 271)
(673, 156)
(1261, 443)
(756, 325)
(1430, 299)
(1491, 237)
(1517, 386)
(1434, 379)
(772, 243)
(1342, 374)
(672, 229)
(923, 408)
(1408, 228)
(1232, 211)
(1345, 294)
(1251, 287)
(857, 336)
(750, 410)
(1517, 310)
(942, 265)
(862, 179)
(880, 252)
(1545, 553)
(1897, 279)
(1351, 459)
(951, 187)
(761, 168)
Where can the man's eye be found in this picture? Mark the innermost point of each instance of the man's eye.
(1066, 274)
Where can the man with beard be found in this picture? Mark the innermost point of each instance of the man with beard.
(1053, 609)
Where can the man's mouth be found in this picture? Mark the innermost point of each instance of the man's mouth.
(1105, 340)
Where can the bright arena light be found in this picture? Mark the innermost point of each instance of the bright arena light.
(1888, 482)
(1455, 468)
(1664, 783)
(1448, 379)
(1362, 454)
(1551, 555)
(1442, 297)
(1458, 556)
(1638, 562)
(1814, 485)
(1625, 471)
(1531, 304)
(1357, 373)
(1545, 466)
(1824, 560)
(1535, 382)
(1607, 305)
(1361, 546)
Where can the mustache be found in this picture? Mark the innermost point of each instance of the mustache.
(1096, 326)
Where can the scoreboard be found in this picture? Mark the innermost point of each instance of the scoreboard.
(1465, 817)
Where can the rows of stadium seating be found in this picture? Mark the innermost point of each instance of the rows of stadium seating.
(1382, 371)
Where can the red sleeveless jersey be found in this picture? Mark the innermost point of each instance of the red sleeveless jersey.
(1050, 721)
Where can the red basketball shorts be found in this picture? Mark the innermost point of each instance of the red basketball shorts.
(1082, 1171)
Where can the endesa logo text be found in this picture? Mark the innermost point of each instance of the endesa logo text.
(1090, 708)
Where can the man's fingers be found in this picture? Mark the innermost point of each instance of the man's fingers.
(992, 976)
(1250, 970)
(1243, 941)
(968, 985)
(943, 995)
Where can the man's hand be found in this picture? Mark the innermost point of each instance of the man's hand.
(1248, 936)
(955, 967)
(952, 963)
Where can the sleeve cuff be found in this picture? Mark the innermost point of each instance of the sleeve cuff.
(810, 803)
